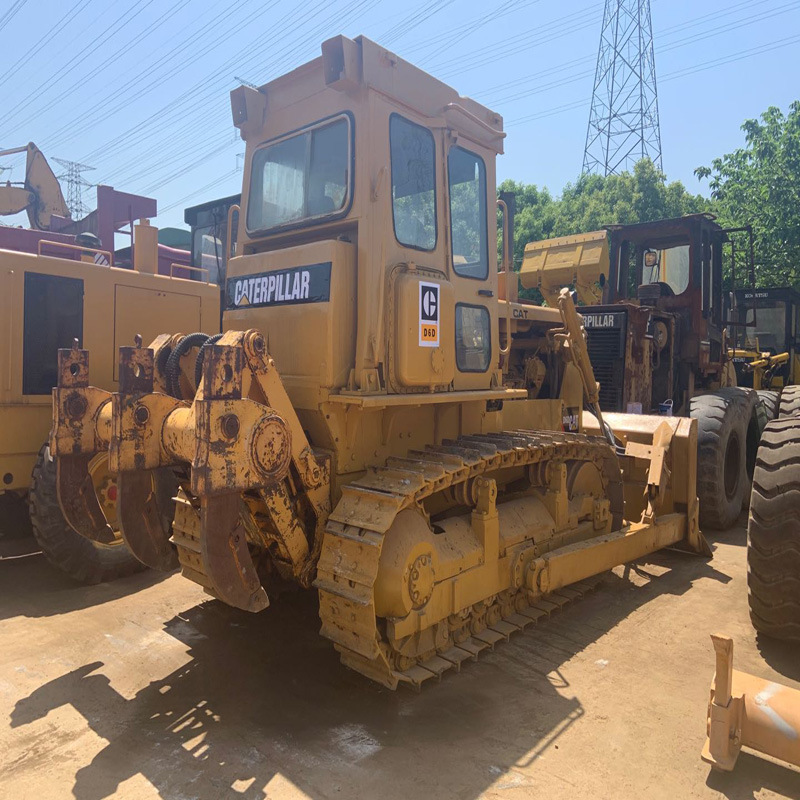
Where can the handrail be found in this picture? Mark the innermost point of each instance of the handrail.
(228, 240)
(190, 268)
(80, 248)
(507, 248)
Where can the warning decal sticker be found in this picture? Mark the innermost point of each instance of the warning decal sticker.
(428, 314)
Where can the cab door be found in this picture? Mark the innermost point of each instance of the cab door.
(471, 241)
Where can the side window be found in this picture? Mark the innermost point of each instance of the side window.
(413, 183)
(473, 338)
(466, 175)
(53, 317)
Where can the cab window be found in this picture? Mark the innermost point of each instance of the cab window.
(473, 338)
(304, 177)
(669, 265)
(413, 183)
(466, 175)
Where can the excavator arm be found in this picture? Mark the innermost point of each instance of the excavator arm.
(40, 194)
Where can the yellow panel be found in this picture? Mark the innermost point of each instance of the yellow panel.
(148, 311)
(23, 430)
(425, 330)
(306, 311)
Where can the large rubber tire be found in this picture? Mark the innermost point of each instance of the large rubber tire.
(789, 405)
(726, 425)
(773, 533)
(82, 559)
(770, 400)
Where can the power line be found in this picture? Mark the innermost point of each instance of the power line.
(681, 73)
(11, 13)
(31, 54)
(704, 35)
(112, 30)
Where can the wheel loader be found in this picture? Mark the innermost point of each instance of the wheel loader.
(659, 337)
(356, 429)
(56, 287)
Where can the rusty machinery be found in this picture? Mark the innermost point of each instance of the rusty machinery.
(56, 287)
(658, 336)
(359, 427)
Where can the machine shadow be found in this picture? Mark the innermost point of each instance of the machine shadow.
(752, 776)
(33, 587)
(264, 697)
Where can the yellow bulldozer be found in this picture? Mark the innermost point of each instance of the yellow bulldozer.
(57, 287)
(359, 426)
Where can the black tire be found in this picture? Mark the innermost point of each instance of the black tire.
(789, 405)
(770, 401)
(82, 559)
(727, 435)
(773, 533)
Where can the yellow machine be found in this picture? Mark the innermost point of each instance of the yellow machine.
(48, 299)
(581, 261)
(360, 426)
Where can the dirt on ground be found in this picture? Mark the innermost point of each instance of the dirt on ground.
(146, 688)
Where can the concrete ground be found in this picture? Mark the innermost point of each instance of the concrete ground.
(145, 689)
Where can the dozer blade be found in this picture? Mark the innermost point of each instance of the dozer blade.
(142, 498)
(225, 555)
(78, 499)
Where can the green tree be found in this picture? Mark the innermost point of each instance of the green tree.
(594, 201)
(759, 184)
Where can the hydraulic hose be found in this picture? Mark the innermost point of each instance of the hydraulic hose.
(173, 368)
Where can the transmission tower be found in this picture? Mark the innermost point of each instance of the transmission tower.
(623, 121)
(76, 183)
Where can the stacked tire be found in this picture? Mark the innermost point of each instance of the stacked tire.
(773, 529)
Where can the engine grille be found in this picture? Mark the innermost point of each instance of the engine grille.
(607, 354)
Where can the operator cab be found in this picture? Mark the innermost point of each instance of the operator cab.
(767, 321)
(676, 266)
(368, 227)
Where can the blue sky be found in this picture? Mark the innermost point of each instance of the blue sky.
(139, 90)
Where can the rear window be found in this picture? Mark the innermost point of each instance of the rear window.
(304, 177)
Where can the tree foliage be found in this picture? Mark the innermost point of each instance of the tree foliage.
(759, 184)
(594, 201)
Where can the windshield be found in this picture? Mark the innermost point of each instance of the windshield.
(671, 266)
(303, 177)
(771, 326)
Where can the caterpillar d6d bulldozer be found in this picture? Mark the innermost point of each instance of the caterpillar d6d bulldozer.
(353, 430)
(60, 282)
(659, 338)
